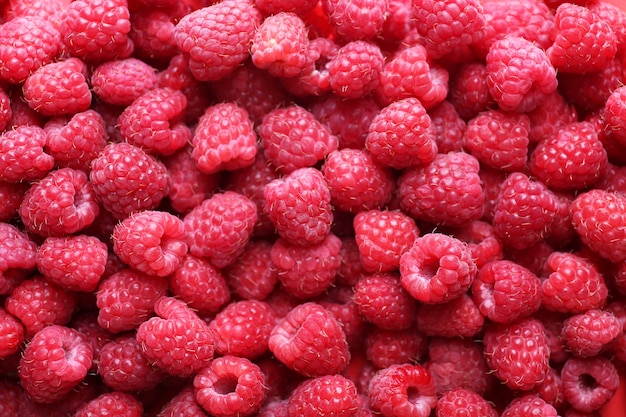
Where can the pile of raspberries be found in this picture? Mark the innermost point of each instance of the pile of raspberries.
(309, 208)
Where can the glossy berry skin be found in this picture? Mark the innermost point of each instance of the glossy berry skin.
(22, 154)
(586, 334)
(463, 402)
(354, 70)
(528, 405)
(324, 395)
(458, 317)
(122, 81)
(356, 20)
(11, 334)
(603, 379)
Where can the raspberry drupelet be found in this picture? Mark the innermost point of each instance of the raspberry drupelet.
(112, 403)
(354, 70)
(463, 402)
(11, 334)
(22, 154)
(458, 317)
(253, 275)
(333, 395)
(18, 257)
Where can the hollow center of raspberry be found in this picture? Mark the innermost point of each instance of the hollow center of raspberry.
(587, 382)
(225, 385)
(430, 268)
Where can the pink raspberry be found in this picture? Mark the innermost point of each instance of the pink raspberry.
(126, 179)
(18, 257)
(469, 90)
(224, 139)
(314, 79)
(325, 395)
(22, 154)
(351, 268)
(306, 271)
(614, 113)
(279, 45)
(382, 301)
(97, 30)
(464, 402)
(217, 38)
(126, 299)
(183, 404)
(176, 340)
(519, 74)
(220, 227)
(26, 44)
(112, 403)
(524, 211)
(55, 361)
(200, 285)
(614, 15)
(589, 383)
(230, 387)
(583, 42)
(62, 203)
(122, 81)
(382, 237)
(551, 116)
(529, 404)
(481, 241)
(49, 10)
(355, 69)
(498, 139)
(152, 31)
(405, 388)
(447, 191)
(75, 263)
(354, 20)
(253, 275)
(292, 138)
(296, 343)
(458, 317)
(299, 7)
(447, 127)
(11, 334)
(390, 347)
(586, 334)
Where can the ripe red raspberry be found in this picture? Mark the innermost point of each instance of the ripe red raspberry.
(253, 275)
(176, 340)
(126, 179)
(614, 15)
(384, 348)
(354, 70)
(122, 81)
(586, 334)
(407, 389)
(97, 30)
(123, 366)
(528, 405)
(224, 139)
(11, 334)
(519, 74)
(279, 45)
(37, 304)
(458, 363)
(292, 138)
(583, 42)
(217, 38)
(498, 139)
(230, 387)
(314, 79)
(524, 211)
(458, 317)
(325, 395)
(505, 291)
(299, 7)
(382, 237)
(351, 268)
(382, 301)
(552, 115)
(447, 26)
(481, 241)
(447, 127)
(62, 203)
(339, 301)
(11, 395)
(598, 217)
(296, 343)
(437, 268)
(464, 402)
(614, 114)
(126, 299)
(75, 263)
(55, 361)
(152, 31)
(469, 90)
(518, 353)
(27, 43)
(112, 403)
(589, 383)
(183, 404)
(447, 191)
(356, 20)
(22, 154)
(18, 257)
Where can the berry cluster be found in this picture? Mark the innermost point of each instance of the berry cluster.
(289, 208)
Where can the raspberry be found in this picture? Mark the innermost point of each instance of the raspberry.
(55, 361)
(243, 329)
(217, 38)
(183, 404)
(399, 136)
(11, 334)
(528, 405)
(123, 366)
(505, 291)
(615, 17)
(325, 395)
(97, 30)
(384, 348)
(122, 81)
(75, 142)
(518, 353)
(200, 285)
(597, 216)
(27, 43)
(230, 387)
(583, 42)
(469, 90)
(152, 31)
(589, 383)
(224, 139)
(126, 299)
(524, 211)
(447, 127)
(176, 340)
(10, 396)
(382, 238)
(126, 179)
(22, 154)
(382, 301)
(18, 257)
(279, 45)
(292, 138)
(354, 70)
(362, 20)
(296, 343)
(463, 402)
(586, 334)
(75, 263)
(449, 25)
(62, 203)
(253, 275)
(498, 139)
(481, 241)
(403, 390)
(614, 114)
(458, 317)
(519, 74)
(437, 268)
(299, 7)
(112, 403)
(351, 268)
(339, 300)
(447, 191)
(549, 117)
